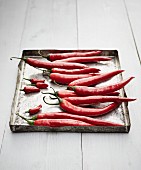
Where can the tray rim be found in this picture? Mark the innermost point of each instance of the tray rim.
(15, 128)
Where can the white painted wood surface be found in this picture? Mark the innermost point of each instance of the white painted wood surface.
(134, 15)
(12, 17)
(105, 25)
(39, 24)
(45, 26)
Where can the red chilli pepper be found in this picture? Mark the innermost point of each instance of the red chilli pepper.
(97, 99)
(65, 93)
(41, 85)
(115, 93)
(70, 93)
(95, 79)
(75, 71)
(65, 78)
(49, 65)
(34, 80)
(85, 59)
(30, 89)
(35, 110)
(62, 93)
(60, 122)
(64, 115)
(70, 108)
(55, 122)
(59, 56)
(89, 91)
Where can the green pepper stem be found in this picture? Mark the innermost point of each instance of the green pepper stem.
(71, 88)
(33, 118)
(26, 79)
(52, 97)
(53, 90)
(24, 59)
(27, 111)
(30, 122)
(48, 93)
(49, 70)
(50, 103)
(31, 84)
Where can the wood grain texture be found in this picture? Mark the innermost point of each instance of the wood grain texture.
(134, 14)
(104, 24)
(70, 24)
(48, 24)
(12, 15)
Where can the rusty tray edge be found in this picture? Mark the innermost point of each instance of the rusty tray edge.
(95, 129)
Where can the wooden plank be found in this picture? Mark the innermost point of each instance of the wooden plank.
(49, 24)
(104, 24)
(134, 14)
(12, 15)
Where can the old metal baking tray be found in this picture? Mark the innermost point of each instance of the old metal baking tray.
(22, 102)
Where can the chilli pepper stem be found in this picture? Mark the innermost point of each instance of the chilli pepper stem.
(59, 101)
(48, 93)
(53, 90)
(24, 59)
(27, 111)
(26, 79)
(33, 118)
(30, 122)
(52, 97)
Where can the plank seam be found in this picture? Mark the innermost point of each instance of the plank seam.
(26, 13)
(3, 138)
(19, 49)
(77, 24)
(82, 150)
(132, 31)
(78, 48)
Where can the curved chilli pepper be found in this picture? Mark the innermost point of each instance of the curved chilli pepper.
(60, 122)
(75, 71)
(30, 89)
(64, 115)
(89, 91)
(56, 122)
(34, 80)
(70, 93)
(85, 59)
(95, 79)
(49, 65)
(66, 79)
(35, 110)
(97, 99)
(59, 56)
(70, 108)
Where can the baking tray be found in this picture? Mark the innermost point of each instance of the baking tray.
(22, 102)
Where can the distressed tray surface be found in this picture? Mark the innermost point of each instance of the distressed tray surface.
(23, 102)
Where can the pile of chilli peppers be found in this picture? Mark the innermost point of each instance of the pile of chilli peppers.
(78, 101)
